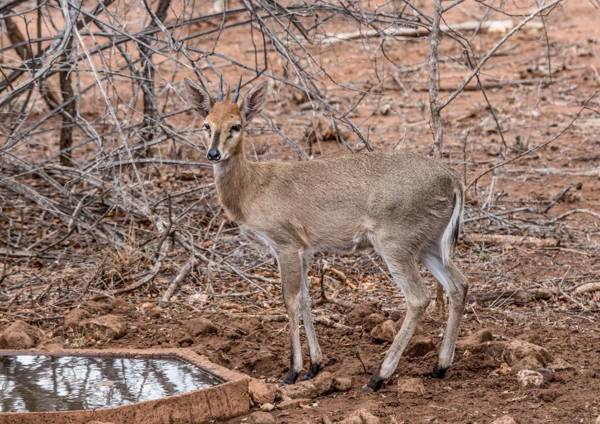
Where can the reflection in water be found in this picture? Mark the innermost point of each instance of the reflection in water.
(31, 383)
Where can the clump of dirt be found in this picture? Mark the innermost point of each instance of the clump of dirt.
(361, 416)
(318, 386)
(359, 314)
(420, 346)
(411, 385)
(105, 327)
(20, 335)
(74, 318)
(517, 354)
(199, 326)
(384, 332)
(262, 393)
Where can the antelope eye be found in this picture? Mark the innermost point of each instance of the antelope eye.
(235, 128)
(206, 127)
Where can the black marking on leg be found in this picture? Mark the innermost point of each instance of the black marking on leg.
(375, 382)
(312, 371)
(438, 372)
(291, 377)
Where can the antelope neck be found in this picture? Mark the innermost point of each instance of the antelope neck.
(231, 176)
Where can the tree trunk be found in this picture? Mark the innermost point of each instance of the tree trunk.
(148, 129)
(69, 109)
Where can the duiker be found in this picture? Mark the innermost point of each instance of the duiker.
(407, 207)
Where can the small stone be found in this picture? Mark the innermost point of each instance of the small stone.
(478, 337)
(152, 310)
(260, 417)
(323, 382)
(420, 347)
(292, 403)
(373, 320)
(309, 389)
(20, 335)
(302, 389)
(385, 109)
(200, 298)
(75, 317)
(361, 416)
(521, 351)
(384, 332)
(267, 407)
(199, 326)
(261, 392)
(342, 384)
(411, 385)
(530, 378)
(505, 419)
(106, 327)
(358, 315)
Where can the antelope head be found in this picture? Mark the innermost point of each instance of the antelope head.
(226, 116)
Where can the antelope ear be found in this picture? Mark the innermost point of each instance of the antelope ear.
(201, 100)
(253, 102)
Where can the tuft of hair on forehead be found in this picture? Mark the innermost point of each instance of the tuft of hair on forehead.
(224, 110)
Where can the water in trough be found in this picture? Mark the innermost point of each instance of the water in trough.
(30, 383)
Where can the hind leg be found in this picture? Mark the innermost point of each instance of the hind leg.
(456, 287)
(406, 275)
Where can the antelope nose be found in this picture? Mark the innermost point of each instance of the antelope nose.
(213, 154)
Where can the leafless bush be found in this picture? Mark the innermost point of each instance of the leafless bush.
(93, 108)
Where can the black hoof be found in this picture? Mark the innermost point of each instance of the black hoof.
(374, 384)
(291, 377)
(312, 371)
(438, 372)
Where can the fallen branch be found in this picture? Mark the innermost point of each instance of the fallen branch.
(508, 239)
(325, 298)
(489, 26)
(185, 270)
(331, 324)
(575, 172)
(571, 212)
(517, 297)
(164, 244)
(587, 288)
(487, 85)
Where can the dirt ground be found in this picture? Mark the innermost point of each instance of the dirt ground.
(519, 289)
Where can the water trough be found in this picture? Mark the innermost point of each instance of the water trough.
(149, 386)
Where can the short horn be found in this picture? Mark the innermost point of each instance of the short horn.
(221, 89)
(236, 94)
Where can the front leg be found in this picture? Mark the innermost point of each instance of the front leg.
(307, 318)
(290, 268)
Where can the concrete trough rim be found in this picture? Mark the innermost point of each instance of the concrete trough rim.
(225, 400)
